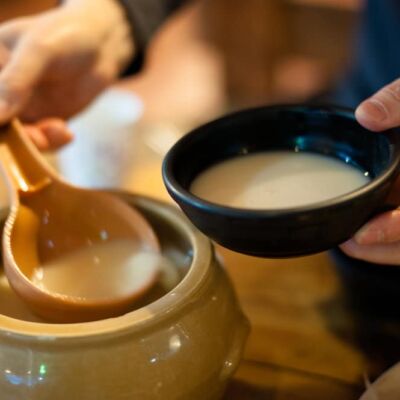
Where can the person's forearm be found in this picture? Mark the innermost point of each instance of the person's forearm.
(108, 13)
(143, 18)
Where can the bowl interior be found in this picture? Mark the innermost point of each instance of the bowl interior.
(175, 246)
(327, 131)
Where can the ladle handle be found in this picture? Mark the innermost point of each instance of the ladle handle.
(20, 162)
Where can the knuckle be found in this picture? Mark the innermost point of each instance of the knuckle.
(38, 44)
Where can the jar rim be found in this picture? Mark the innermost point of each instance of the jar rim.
(142, 318)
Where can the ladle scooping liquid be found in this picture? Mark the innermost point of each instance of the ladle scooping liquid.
(50, 220)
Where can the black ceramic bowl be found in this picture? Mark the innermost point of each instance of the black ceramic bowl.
(285, 232)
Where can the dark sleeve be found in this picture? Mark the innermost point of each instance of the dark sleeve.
(145, 16)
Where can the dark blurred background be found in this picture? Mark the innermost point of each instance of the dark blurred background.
(231, 53)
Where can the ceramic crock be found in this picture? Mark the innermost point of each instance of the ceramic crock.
(185, 345)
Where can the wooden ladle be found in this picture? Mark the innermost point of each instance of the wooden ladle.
(49, 219)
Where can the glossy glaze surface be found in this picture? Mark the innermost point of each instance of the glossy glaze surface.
(195, 331)
(330, 131)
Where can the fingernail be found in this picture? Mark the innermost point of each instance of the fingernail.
(347, 243)
(366, 236)
(372, 110)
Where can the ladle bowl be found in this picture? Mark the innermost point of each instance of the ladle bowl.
(49, 219)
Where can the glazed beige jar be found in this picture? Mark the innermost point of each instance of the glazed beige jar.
(184, 345)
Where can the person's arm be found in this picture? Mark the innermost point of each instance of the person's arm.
(55, 63)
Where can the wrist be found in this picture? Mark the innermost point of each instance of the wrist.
(109, 20)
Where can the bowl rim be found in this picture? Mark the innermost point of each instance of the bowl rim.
(142, 318)
(177, 191)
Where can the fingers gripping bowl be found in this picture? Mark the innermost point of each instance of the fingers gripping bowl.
(284, 232)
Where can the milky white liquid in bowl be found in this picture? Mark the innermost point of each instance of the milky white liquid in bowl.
(104, 270)
(277, 179)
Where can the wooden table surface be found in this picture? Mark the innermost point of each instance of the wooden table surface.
(337, 4)
(321, 325)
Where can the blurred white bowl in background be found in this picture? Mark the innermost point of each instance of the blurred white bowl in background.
(103, 136)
